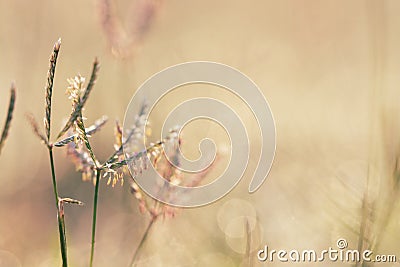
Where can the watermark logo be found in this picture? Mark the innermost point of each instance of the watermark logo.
(235, 82)
(339, 254)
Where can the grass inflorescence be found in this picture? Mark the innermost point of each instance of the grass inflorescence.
(74, 136)
(46, 139)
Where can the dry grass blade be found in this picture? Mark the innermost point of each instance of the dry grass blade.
(89, 131)
(35, 128)
(49, 87)
(71, 201)
(61, 202)
(78, 110)
(96, 126)
(9, 117)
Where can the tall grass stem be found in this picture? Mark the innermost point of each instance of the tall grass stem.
(60, 216)
(95, 200)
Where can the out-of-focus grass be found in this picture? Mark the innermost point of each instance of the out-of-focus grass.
(317, 64)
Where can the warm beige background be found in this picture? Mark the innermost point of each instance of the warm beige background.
(329, 69)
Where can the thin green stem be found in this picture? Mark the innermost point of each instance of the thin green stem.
(96, 194)
(139, 248)
(60, 216)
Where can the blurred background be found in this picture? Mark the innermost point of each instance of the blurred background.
(329, 70)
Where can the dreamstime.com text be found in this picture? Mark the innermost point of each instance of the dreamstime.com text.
(341, 253)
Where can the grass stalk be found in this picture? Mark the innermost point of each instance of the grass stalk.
(75, 118)
(82, 133)
(7, 124)
(47, 124)
(142, 241)
(95, 200)
(60, 215)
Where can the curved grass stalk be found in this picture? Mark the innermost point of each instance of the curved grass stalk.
(7, 124)
(142, 241)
